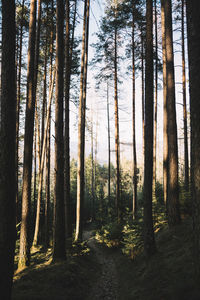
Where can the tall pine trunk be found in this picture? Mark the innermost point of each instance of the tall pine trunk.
(59, 212)
(156, 102)
(186, 159)
(108, 122)
(149, 240)
(117, 150)
(68, 62)
(7, 150)
(193, 25)
(133, 119)
(165, 122)
(24, 251)
(172, 186)
(81, 126)
(18, 109)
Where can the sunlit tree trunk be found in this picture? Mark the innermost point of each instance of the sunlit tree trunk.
(172, 187)
(165, 122)
(156, 101)
(149, 240)
(59, 211)
(7, 150)
(24, 252)
(81, 125)
(18, 107)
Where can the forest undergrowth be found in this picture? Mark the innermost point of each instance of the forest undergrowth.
(168, 275)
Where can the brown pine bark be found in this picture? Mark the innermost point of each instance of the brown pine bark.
(117, 150)
(165, 122)
(18, 107)
(108, 122)
(24, 252)
(156, 102)
(186, 159)
(7, 150)
(133, 119)
(81, 125)
(142, 67)
(68, 219)
(193, 25)
(59, 252)
(149, 240)
(172, 187)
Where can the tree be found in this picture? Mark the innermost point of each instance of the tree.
(133, 118)
(186, 159)
(165, 122)
(59, 252)
(193, 25)
(81, 124)
(24, 252)
(149, 240)
(7, 141)
(173, 212)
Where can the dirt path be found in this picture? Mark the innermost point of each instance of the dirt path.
(106, 286)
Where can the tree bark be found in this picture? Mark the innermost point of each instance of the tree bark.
(7, 150)
(59, 252)
(149, 240)
(81, 126)
(186, 159)
(165, 120)
(67, 122)
(24, 252)
(133, 119)
(172, 187)
(117, 150)
(108, 122)
(193, 25)
(156, 102)
(18, 109)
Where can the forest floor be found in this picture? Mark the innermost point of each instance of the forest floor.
(96, 272)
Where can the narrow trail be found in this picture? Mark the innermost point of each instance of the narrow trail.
(106, 286)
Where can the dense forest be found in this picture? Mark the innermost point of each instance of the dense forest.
(100, 149)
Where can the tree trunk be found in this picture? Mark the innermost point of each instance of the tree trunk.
(117, 150)
(172, 187)
(193, 25)
(156, 102)
(142, 67)
(67, 121)
(59, 212)
(108, 122)
(92, 166)
(186, 160)
(149, 240)
(37, 222)
(24, 252)
(133, 120)
(81, 126)
(18, 110)
(7, 150)
(165, 121)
